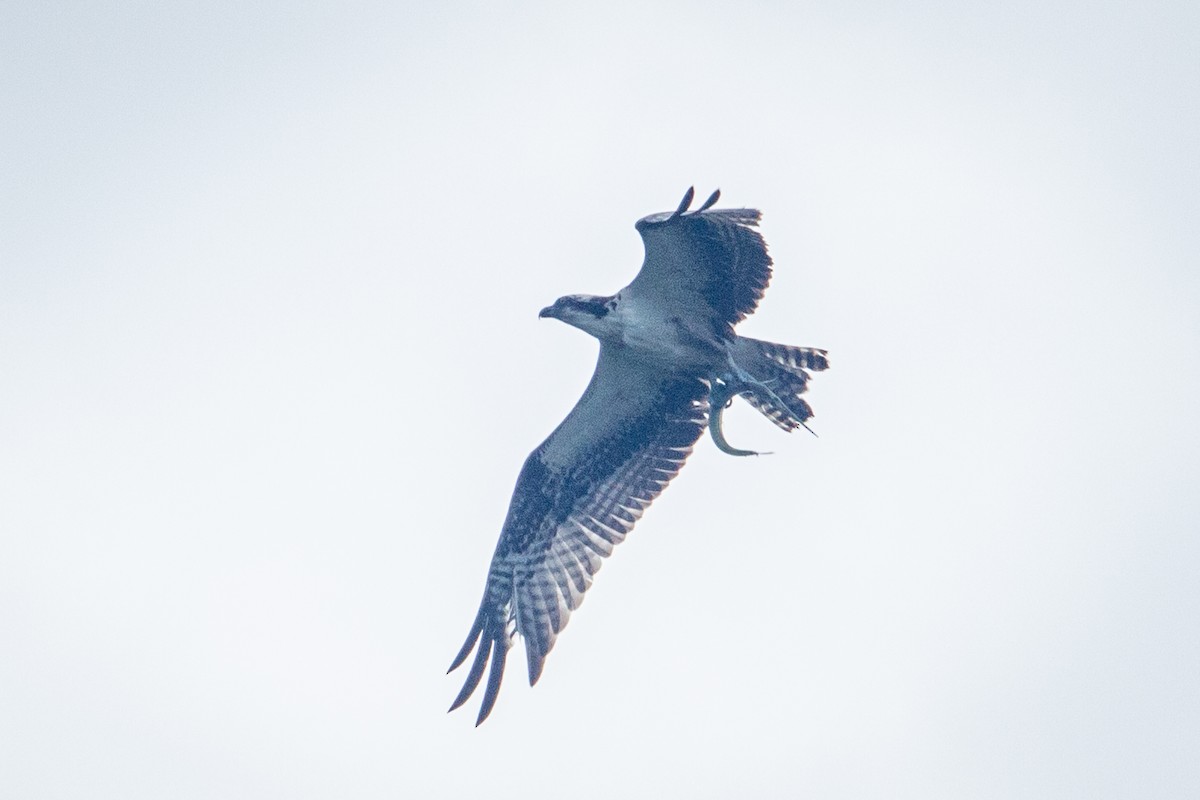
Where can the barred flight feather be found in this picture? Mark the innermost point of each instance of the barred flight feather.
(665, 339)
(565, 519)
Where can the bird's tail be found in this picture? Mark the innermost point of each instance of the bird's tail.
(783, 372)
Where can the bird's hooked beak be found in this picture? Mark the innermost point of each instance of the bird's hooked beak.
(549, 311)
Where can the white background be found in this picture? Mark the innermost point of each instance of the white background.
(270, 363)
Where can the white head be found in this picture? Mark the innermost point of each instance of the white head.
(587, 312)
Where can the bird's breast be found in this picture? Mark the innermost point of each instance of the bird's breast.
(673, 342)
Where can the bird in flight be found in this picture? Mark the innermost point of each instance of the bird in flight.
(670, 363)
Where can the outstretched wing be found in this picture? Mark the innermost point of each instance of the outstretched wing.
(578, 495)
(705, 263)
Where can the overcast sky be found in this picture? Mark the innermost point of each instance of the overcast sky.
(270, 363)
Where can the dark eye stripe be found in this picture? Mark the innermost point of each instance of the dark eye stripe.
(596, 308)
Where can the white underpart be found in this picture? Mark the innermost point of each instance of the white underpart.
(671, 342)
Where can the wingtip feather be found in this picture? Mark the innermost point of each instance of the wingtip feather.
(710, 202)
(686, 202)
(468, 645)
(495, 676)
(537, 662)
(475, 675)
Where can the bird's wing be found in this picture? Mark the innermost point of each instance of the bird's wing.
(578, 495)
(709, 262)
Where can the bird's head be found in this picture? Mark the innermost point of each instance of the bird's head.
(584, 311)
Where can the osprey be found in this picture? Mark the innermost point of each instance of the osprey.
(669, 363)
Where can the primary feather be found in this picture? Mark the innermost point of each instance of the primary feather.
(666, 340)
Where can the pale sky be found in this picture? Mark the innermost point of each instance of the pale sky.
(270, 363)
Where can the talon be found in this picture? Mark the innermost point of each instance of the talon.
(747, 381)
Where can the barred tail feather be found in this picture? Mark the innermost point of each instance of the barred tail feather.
(795, 359)
(794, 412)
(784, 369)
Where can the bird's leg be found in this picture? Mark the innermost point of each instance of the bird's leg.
(725, 385)
(744, 381)
(764, 387)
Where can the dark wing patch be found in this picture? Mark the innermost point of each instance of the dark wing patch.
(709, 258)
(577, 497)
